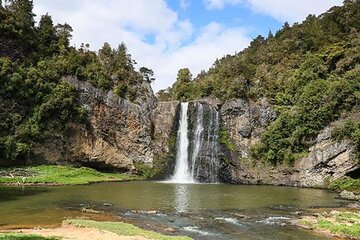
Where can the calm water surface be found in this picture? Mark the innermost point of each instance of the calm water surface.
(203, 211)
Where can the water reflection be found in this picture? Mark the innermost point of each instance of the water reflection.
(182, 197)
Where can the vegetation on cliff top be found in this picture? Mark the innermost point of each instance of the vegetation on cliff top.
(35, 102)
(309, 72)
(59, 175)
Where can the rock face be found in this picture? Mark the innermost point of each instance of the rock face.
(327, 159)
(165, 123)
(121, 134)
(117, 133)
(245, 121)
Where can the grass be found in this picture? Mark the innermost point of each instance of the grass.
(18, 236)
(64, 175)
(348, 184)
(123, 229)
(339, 223)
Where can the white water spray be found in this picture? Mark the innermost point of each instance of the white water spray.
(197, 159)
(182, 173)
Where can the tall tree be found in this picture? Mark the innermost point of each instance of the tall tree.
(48, 40)
(64, 33)
(22, 12)
(184, 75)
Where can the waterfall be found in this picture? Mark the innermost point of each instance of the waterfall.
(197, 157)
(182, 174)
(197, 139)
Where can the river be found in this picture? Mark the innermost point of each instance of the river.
(202, 211)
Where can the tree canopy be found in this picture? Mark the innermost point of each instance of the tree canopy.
(35, 102)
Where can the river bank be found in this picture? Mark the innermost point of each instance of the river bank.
(187, 209)
(337, 223)
(80, 229)
(59, 175)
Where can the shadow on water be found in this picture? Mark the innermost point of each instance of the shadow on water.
(13, 193)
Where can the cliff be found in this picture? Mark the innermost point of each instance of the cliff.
(141, 136)
(117, 132)
(327, 158)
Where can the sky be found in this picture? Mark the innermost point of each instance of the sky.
(166, 35)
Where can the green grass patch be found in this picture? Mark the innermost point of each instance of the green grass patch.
(63, 175)
(348, 184)
(18, 236)
(352, 230)
(340, 223)
(224, 138)
(123, 229)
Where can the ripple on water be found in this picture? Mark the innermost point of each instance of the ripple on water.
(196, 230)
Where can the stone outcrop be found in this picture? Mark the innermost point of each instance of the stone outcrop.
(327, 158)
(245, 121)
(120, 134)
(165, 123)
(117, 132)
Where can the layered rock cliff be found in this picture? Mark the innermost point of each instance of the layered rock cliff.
(124, 135)
(117, 132)
(327, 159)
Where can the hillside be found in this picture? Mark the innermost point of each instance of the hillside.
(38, 102)
(308, 72)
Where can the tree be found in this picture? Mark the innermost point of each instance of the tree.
(147, 74)
(63, 32)
(22, 12)
(48, 40)
(184, 75)
(106, 55)
(181, 88)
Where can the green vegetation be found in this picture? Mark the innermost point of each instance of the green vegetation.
(224, 138)
(123, 229)
(309, 72)
(19, 236)
(348, 184)
(340, 223)
(61, 175)
(35, 102)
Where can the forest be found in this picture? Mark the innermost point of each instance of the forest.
(34, 59)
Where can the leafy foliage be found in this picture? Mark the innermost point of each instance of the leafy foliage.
(35, 102)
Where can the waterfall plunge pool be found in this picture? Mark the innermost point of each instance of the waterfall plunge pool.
(202, 211)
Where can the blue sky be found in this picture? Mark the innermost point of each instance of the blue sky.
(229, 16)
(167, 35)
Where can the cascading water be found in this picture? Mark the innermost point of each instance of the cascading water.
(197, 160)
(182, 174)
(197, 140)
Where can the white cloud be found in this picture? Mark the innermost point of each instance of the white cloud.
(213, 42)
(292, 10)
(172, 46)
(157, 37)
(282, 10)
